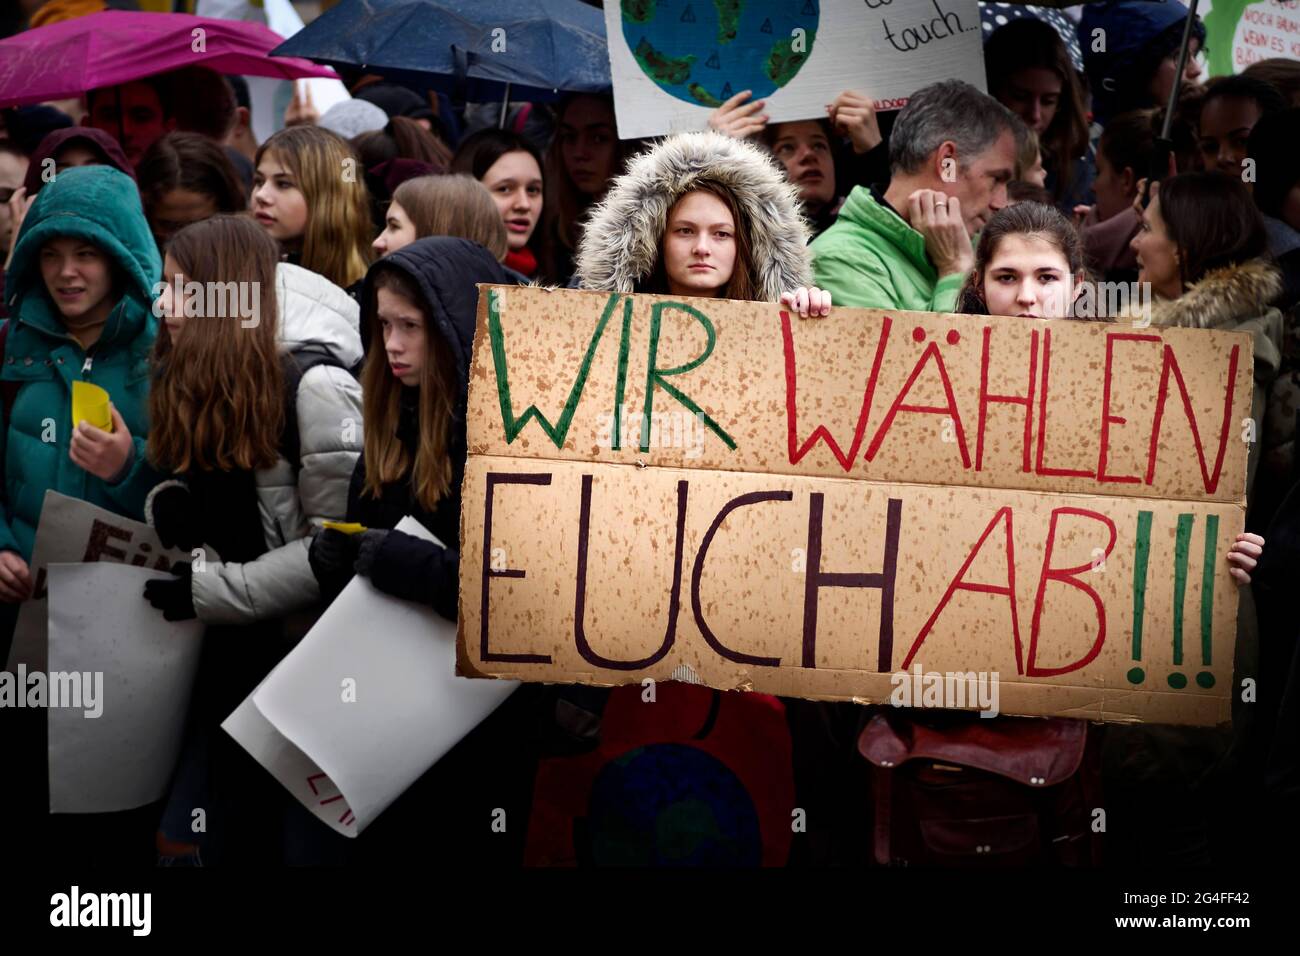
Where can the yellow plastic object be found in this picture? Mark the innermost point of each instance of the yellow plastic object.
(347, 527)
(90, 404)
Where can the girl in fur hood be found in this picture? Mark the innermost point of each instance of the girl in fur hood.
(701, 777)
(702, 214)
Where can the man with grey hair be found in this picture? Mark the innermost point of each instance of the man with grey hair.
(908, 246)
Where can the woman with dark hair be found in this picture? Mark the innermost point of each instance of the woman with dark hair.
(1030, 73)
(419, 308)
(510, 166)
(402, 138)
(1229, 110)
(1281, 73)
(1124, 156)
(1203, 249)
(1028, 263)
(185, 178)
(584, 157)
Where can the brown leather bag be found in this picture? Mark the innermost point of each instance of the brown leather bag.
(955, 789)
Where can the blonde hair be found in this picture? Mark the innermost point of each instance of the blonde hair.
(1029, 154)
(456, 204)
(336, 242)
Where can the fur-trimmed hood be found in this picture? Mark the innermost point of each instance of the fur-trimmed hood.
(1223, 298)
(622, 237)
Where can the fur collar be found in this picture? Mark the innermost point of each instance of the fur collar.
(621, 240)
(1224, 297)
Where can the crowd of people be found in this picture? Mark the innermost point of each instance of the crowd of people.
(366, 229)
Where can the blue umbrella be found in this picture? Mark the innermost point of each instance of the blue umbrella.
(481, 49)
(994, 15)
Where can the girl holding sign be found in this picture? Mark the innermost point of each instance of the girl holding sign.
(419, 306)
(419, 309)
(707, 216)
(80, 289)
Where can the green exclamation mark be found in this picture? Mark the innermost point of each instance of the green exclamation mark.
(1205, 678)
(1142, 551)
(1182, 547)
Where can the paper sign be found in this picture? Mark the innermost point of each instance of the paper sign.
(72, 531)
(1241, 32)
(674, 61)
(100, 624)
(809, 507)
(90, 404)
(366, 703)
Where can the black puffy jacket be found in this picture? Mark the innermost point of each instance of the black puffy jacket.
(446, 271)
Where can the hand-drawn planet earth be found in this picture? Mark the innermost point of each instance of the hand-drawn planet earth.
(671, 805)
(704, 51)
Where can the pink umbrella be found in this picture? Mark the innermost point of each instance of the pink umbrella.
(117, 46)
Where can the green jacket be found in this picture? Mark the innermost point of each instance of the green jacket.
(871, 259)
(100, 204)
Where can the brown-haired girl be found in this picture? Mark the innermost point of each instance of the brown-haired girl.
(452, 205)
(1028, 262)
(261, 441)
(584, 157)
(701, 214)
(184, 178)
(419, 306)
(1030, 73)
(305, 199)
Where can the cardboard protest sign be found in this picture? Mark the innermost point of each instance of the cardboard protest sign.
(72, 531)
(674, 61)
(806, 507)
(121, 755)
(1241, 32)
(363, 705)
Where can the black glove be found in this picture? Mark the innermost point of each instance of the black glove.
(173, 598)
(174, 518)
(368, 547)
(331, 557)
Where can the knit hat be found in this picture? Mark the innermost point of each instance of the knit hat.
(352, 118)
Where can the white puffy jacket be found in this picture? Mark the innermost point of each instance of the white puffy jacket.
(313, 314)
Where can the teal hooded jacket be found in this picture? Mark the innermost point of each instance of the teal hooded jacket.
(101, 205)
